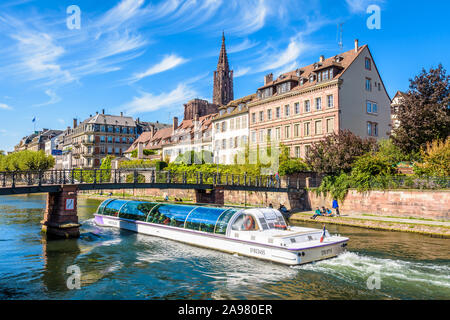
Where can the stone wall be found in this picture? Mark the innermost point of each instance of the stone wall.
(402, 203)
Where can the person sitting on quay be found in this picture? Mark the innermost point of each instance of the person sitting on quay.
(328, 212)
(316, 213)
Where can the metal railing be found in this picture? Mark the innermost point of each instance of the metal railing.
(143, 176)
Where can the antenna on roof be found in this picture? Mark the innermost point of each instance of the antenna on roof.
(339, 36)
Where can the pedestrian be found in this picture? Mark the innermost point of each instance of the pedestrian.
(336, 207)
(270, 205)
(316, 213)
(277, 177)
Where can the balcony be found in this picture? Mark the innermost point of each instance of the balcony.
(87, 142)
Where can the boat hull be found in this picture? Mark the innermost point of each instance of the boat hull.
(273, 253)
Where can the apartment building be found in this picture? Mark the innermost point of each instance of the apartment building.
(230, 130)
(191, 135)
(303, 106)
(101, 135)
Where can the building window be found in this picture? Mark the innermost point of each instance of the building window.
(287, 132)
(319, 103)
(330, 101)
(238, 123)
(297, 151)
(371, 107)
(307, 150)
(261, 116)
(102, 138)
(368, 84)
(261, 135)
(110, 129)
(278, 112)
(318, 127)
(269, 134)
(253, 136)
(110, 139)
(231, 124)
(217, 128)
(372, 129)
(307, 129)
(330, 125)
(269, 114)
(297, 108)
(224, 144)
(287, 110)
(368, 64)
(253, 117)
(244, 122)
(117, 140)
(224, 126)
(296, 130)
(277, 134)
(307, 105)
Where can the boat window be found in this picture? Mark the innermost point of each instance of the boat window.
(102, 206)
(204, 218)
(172, 215)
(112, 208)
(136, 210)
(245, 222)
(269, 215)
(263, 223)
(222, 222)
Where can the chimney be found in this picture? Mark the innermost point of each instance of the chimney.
(121, 114)
(322, 59)
(356, 45)
(75, 123)
(152, 131)
(140, 148)
(96, 112)
(175, 124)
(268, 78)
(196, 117)
(103, 111)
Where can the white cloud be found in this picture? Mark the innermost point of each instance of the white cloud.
(241, 72)
(4, 106)
(148, 102)
(287, 56)
(245, 45)
(53, 98)
(169, 62)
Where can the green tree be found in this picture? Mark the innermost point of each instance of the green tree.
(424, 114)
(338, 151)
(436, 159)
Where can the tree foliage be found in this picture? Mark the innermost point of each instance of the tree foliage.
(338, 151)
(289, 165)
(424, 114)
(26, 160)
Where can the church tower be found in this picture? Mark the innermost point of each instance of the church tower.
(223, 79)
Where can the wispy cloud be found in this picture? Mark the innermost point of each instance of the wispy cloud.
(360, 6)
(4, 106)
(148, 102)
(54, 98)
(241, 72)
(168, 62)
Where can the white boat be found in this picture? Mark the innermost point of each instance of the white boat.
(258, 232)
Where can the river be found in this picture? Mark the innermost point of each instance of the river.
(117, 264)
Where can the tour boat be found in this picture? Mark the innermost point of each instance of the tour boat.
(257, 232)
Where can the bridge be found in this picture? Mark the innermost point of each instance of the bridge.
(61, 186)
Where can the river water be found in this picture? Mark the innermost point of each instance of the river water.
(118, 264)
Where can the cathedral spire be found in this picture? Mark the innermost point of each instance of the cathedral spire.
(223, 78)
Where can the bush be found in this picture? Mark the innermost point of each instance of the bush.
(130, 178)
(436, 160)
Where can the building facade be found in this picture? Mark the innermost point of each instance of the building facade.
(230, 131)
(396, 102)
(303, 106)
(101, 135)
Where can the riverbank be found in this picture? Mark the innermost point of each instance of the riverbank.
(430, 227)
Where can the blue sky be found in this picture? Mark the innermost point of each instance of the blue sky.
(146, 57)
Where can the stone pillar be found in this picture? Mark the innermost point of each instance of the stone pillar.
(60, 218)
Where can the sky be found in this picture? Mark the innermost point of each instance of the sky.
(146, 58)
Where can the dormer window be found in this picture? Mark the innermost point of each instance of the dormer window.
(311, 78)
(241, 106)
